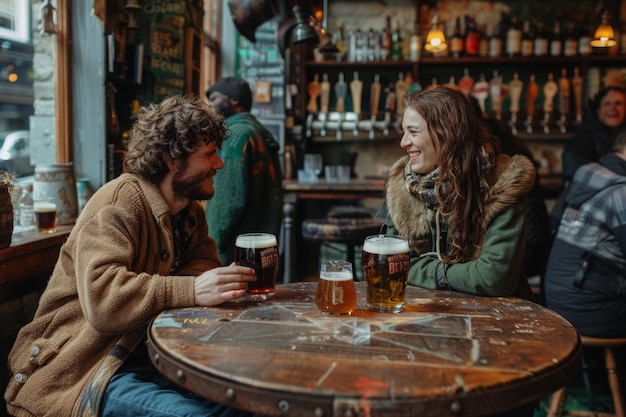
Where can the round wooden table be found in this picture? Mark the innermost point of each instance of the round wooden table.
(447, 354)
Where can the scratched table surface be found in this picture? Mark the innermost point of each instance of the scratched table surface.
(447, 354)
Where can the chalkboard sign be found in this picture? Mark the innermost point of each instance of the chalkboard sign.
(166, 47)
(261, 61)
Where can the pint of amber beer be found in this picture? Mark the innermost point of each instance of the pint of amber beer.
(259, 251)
(335, 289)
(385, 264)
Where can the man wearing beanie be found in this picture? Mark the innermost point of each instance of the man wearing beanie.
(248, 190)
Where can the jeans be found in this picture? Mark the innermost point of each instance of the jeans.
(141, 390)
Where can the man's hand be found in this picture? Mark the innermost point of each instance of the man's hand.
(225, 283)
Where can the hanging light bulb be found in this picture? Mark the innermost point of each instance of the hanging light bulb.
(604, 36)
(47, 23)
(435, 40)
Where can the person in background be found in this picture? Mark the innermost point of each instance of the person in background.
(586, 274)
(592, 140)
(249, 187)
(595, 137)
(460, 203)
(140, 246)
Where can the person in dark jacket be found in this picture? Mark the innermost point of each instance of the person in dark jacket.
(585, 280)
(592, 140)
(249, 188)
(595, 137)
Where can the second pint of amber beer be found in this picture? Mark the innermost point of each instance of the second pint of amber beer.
(385, 264)
(259, 251)
(335, 289)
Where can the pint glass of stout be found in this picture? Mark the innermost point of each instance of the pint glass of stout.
(259, 251)
(385, 264)
(46, 214)
(335, 289)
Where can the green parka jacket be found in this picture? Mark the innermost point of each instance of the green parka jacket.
(497, 266)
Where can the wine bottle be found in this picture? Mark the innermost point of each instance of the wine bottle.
(541, 44)
(556, 42)
(514, 38)
(471, 37)
(584, 41)
(528, 42)
(457, 40)
(495, 41)
(570, 44)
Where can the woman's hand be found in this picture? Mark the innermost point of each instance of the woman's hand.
(221, 284)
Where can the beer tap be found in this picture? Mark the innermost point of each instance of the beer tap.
(564, 100)
(515, 90)
(577, 83)
(550, 88)
(531, 96)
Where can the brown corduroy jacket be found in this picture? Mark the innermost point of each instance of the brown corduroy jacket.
(113, 275)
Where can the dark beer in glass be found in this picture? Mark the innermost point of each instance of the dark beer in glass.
(259, 251)
(335, 289)
(385, 264)
(46, 214)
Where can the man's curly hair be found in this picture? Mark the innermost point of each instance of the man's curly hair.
(171, 130)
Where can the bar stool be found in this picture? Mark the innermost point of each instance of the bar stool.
(558, 399)
(348, 225)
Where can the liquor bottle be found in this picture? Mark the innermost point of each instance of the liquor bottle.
(514, 38)
(541, 44)
(570, 44)
(528, 41)
(396, 43)
(584, 41)
(495, 41)
(471, 37)
(457, 40)
(385, 41)
(483, 41)
(556, 42)
(340, 41)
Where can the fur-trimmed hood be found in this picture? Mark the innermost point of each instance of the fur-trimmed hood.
(515, 177)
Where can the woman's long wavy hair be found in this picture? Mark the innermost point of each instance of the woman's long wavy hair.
(459, 136)
(171, 130)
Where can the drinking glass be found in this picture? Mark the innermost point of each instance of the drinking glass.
(45, 209)
(385, 264)
(313, 162)
(335, 290)
(259, 251)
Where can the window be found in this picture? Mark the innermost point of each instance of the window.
(14, 20)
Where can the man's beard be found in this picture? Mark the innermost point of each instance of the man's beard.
(191, 187)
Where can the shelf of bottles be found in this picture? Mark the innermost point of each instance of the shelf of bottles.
(530, 79)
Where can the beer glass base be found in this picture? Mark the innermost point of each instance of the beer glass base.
(260, 297)
(386, 308)
(328, 313)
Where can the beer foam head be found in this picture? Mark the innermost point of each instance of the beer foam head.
(336, 276)
(256, 241)
(44, 206)
(385, 245)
